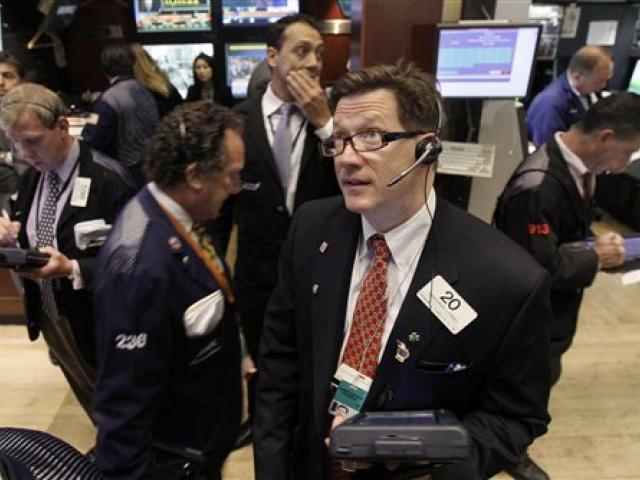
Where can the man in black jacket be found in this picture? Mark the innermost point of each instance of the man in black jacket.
(547, 204)
(67, 185)
(270, 195)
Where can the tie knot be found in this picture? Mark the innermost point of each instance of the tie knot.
(53, 179)
(379, 247)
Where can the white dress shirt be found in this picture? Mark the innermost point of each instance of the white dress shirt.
(405, 242)
(577, 168)
(173, 207)
(297, 127)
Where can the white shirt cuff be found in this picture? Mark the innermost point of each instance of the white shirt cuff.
(325, 132)
(76, 276)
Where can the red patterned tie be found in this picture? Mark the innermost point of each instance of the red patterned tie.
(365, 337)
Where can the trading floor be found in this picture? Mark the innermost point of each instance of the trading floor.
(594, 434)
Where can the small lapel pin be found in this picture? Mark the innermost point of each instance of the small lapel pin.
(323, 247)
(185, 260)
(414, 337)
(175, 244)
(402, 352)
(315, 288)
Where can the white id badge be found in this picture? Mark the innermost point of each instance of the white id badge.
(447, 304)
(80, 194)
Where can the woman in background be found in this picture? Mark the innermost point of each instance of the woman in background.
(207, 85)
(149, 74)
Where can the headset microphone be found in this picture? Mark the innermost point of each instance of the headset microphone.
(427, 152)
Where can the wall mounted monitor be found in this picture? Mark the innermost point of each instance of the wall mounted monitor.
(257, 12)
(153, 16)
(242, 59)
(485, 60)
(176, 60)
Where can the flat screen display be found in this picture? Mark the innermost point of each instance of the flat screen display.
(480, 61)
(257, 12)
(176, 61)
(634, 83)
(242, 59)
(153, 16)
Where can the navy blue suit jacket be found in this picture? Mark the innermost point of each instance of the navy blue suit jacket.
(553, 110)
(155, 383)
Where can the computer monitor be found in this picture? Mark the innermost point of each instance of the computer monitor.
(242, 59)
(634, 82)
(154, 16)
(485, 61)
(257, 12)
(176, 60)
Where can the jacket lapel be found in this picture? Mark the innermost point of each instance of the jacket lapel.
(332, 276)
(255, 129)
(180, 249)
(416, 326)
(85, 169)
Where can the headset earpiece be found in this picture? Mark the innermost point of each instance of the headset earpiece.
(427, 150)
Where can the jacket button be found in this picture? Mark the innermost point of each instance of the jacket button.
(280, 208)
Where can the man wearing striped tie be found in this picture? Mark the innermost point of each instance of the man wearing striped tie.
(168, 397)
(66, 186)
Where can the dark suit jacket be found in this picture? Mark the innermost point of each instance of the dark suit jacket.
(553, 110)
(542, 210)
(501, 396)
(260, 212)
(165, 387)
(111, 187)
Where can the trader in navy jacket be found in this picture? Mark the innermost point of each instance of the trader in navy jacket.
(168, 391)
(565, 100)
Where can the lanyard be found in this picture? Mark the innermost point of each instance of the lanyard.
(65, 185)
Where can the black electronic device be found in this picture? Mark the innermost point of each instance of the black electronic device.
(23, 259)
(436, 436)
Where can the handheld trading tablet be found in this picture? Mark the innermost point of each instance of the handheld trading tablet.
(21, 258)
(433, 435)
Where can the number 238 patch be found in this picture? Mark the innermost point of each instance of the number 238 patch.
(447, 304)
(131, 342)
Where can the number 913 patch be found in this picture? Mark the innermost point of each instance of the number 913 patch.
(447, 304)
(131, 342)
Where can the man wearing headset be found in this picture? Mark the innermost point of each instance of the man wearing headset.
(67, 184)
(425, 303)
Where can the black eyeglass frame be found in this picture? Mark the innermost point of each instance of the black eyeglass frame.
(385, 137)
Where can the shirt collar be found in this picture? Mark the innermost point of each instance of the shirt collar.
(270, 102)
(574, 161)
(64, 170)
(572, 86)
(173, 207)
(400, 238)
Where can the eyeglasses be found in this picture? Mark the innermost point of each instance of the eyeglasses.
(363, 142)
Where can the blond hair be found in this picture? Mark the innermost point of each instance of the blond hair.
(147, 71)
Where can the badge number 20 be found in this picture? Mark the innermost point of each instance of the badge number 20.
(449, 299)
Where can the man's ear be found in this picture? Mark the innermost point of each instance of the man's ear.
(272, 57)
(63, 124)
(193, 178)
(605, 134)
